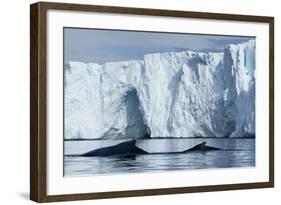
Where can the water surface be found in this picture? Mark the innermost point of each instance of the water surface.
(236, 152)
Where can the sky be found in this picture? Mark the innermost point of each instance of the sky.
(100, 46)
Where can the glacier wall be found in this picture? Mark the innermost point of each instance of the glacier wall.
(177, 94)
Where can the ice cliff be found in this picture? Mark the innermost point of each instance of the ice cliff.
(177, 94)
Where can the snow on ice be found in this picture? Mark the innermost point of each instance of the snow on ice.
(176, 94)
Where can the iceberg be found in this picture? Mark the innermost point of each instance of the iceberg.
(175, 94)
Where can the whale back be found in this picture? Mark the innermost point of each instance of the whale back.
(129, 148)
(202, 147)
(123, 148)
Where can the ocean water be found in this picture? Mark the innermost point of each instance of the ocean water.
(236, 152)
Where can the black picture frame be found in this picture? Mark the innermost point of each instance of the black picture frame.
(38, 100)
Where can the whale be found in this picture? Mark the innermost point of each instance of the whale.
(124, 148)
(201, 147)
(129, 148)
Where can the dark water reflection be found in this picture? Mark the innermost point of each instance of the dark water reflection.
(237, 152)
